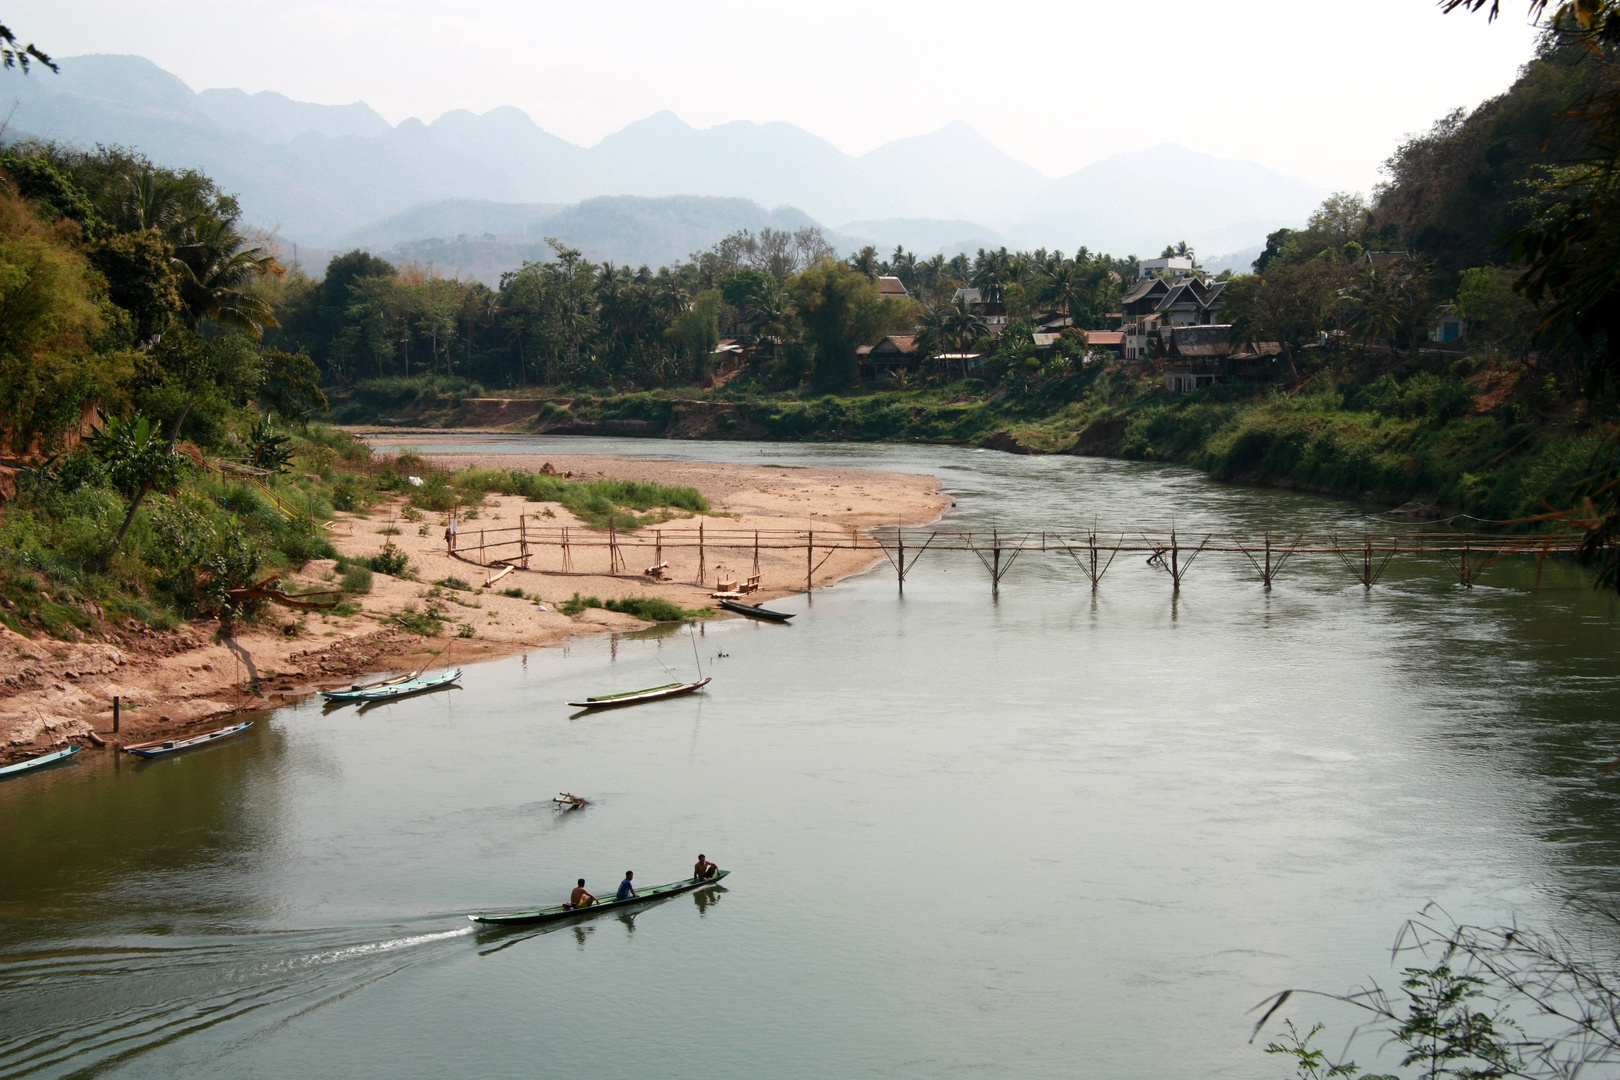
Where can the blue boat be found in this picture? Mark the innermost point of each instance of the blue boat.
(390, 690)
(53, 758)
(164, 747)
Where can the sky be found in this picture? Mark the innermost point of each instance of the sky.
(1320, 89)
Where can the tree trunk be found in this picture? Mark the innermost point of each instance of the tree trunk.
(129, 519)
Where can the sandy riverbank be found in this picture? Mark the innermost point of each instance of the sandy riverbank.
(53, 692)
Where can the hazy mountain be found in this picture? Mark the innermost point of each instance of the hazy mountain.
(950, 173)
(270, 117)
(1239, 262)
(924, 236)
(462, 218)
(482, 240)
(319, 173)
(1139, 202)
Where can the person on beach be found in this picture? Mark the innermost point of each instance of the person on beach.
(626, 887)
(580, 897)
(704, 870)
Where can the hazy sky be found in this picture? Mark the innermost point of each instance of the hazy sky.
(1322, 89)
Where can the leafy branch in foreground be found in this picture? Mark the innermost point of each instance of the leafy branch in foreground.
(13, 54)
(1453, 1014)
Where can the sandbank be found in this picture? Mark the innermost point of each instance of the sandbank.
(54, 692)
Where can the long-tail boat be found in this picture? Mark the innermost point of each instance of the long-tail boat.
(389, 690)
(564, 911)
(53, 758)
(636, 697)
(163, 747)
(754, 611)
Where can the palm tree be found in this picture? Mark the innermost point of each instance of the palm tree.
(953, 326)
(866, 261)
(217, 268)
(1065, 288)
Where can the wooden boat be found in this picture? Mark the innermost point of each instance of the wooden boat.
(753, 611)
(174, 746)
(390, 690)
(562, 911)
(636, 697)
(53, 758)
(395, 681)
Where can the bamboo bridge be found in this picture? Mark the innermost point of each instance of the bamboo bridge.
(1365, 555)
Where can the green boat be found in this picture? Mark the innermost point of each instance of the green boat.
(636, 697)
(563, 911)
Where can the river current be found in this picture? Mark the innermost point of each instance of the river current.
(1048, 834)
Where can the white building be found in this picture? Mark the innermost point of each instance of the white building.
(1174, 265)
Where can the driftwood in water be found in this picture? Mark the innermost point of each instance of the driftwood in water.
(570, 802)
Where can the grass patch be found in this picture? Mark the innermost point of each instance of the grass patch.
(356, 579)
(428, 623)
(453, 583)
(648, 608)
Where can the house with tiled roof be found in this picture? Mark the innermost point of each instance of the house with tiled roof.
(897, 352)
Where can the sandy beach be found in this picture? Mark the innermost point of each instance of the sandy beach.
(54, 692)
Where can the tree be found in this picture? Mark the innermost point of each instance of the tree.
(866, 261)
(841, 310)
(217, 268)
(16, 55)
(138, 461)
(48, 317)
(139, 268)
(1289, 304)
(698, 331)
(1394, 302)
(290, 386)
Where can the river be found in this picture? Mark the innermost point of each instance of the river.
(1052, 833)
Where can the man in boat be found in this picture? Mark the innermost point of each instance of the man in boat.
(627, 888)
(704, 870)
(580, 897)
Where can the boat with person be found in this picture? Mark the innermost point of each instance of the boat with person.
(754, 611)
(636, 697)
(55, 757)
(563, 911)
(164, 747)
(390, 689)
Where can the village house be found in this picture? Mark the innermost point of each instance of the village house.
(1105, 343)
(897, 352)
(1197, 357)
(1157, 302)
(994, 313)
(1448, 325)
(892, 288)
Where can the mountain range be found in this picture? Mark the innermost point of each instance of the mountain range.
(328, 177)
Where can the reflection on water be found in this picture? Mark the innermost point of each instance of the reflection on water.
(969, 833)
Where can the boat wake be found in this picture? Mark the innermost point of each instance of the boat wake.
(82, 1009)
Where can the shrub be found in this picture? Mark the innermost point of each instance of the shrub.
(427, 623)
(356, 579)
(575, 605)
(515, 593)
(390, 560)
(453, 583)
(653, 609)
